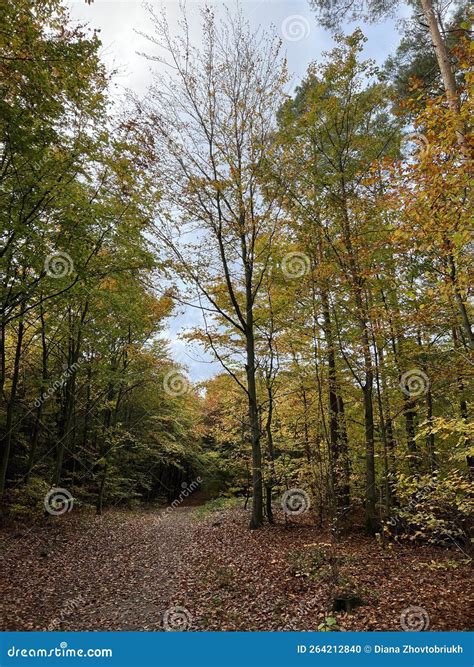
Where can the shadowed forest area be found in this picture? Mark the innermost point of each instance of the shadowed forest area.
(321, 237)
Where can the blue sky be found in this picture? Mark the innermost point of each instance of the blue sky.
(303, 42)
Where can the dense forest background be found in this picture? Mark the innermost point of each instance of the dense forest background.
(325, 236)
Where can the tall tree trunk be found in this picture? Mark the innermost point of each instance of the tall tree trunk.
(306, 445)
(344, 452)
(337, 444)
(383, 432)
(100, 496)
(444, 65)
(2, 354)
(463, 409)
(430, 439)
(257, 505)
(460, 302)
(44, 387)
(357, 282)
(370, 490)
(409, 411)
(333, 406)
(67, 418)
(271, 453)
(7, 438)
(386, 424)
(410, 420)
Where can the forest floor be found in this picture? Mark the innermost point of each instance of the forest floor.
(128, 569)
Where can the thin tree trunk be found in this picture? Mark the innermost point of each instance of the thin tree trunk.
(367, 387)
(257, 505)
(463, 409)
(7, 438)
(67, 418)
(337, 445)
(100, 495)
(333, 407)
(444, 65)
(389, 438)
(44, 386)
(383, 433)
(271, 452)
(460, 302)
(409, 412)
(344, 451)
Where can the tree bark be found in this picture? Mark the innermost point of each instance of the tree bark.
(44, 387)
(444, 65)
(7, 438)
(257, 504)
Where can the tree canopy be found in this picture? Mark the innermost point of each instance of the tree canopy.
(323, 236)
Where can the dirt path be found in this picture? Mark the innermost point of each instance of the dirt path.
(116, 574)
(129, 569)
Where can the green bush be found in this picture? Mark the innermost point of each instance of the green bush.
(28, 499)
(216, 505)
(433, 508)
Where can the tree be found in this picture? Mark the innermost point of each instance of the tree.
(206, 129)
(337, 127)
(415, 60)
(48, 126)
(332, 14)
(79, 309)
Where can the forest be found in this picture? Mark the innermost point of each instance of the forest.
(323, 237)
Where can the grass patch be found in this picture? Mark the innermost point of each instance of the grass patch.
(216, 505)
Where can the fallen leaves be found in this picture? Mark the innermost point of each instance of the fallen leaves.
(127, 569)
